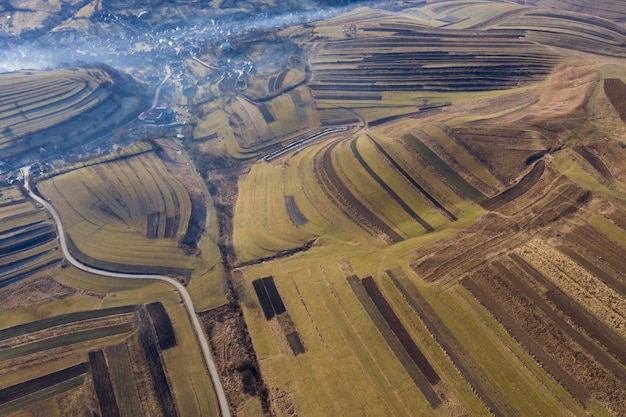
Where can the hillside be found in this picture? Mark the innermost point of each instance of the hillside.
(85, 102)
(409, 209)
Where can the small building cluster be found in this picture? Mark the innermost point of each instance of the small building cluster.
(158, 116)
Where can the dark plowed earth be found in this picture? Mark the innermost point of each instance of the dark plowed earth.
(599, 355)
(29, 387)
(453, 348)
(103, 385)
(595, 162)
(295, 215)
(518, 189)
(398, 329)
(162, 325)
(414, 183)
(578, 315)
(615, 90)
(388, 189)
(477, 286)
(610, 280)
(347, 201)
(155, 366)
(412, 368)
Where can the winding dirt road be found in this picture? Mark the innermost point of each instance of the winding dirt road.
(201, 338)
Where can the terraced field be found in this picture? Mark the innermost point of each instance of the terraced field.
(467, 246)
(27, 238)
(34, 102)
(133, 200)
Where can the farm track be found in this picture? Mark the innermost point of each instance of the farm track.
(200, 336)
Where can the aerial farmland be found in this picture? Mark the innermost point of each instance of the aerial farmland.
(350, 208)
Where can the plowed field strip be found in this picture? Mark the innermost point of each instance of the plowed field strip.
(562, 324)
(398, 329)
(615, 90)
(102, 384)
(388, 189)
(608, 279)
(274, 296)
(17, 391)
(414, 183)
(405, 359)
(351, 205)
(65, 340)
(162, 325)
(467, 189)
(458, 355)
(592, 326)
(264, 299)
(59, 320)
(519, 334)
(465, 256)
(595, 162)
(518, 189)
(155, 366)
(600, 247)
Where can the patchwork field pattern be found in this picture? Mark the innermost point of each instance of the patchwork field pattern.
(468, 241)
(27, 238)
(112, 359)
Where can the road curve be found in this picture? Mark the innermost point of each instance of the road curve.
(208, 357)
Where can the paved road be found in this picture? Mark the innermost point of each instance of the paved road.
(208, 357)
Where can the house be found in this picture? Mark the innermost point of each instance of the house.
(158, 115)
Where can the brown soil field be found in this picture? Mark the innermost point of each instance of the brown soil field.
(103, 385)
(162, 323)
(234, 355)
(388, 189)
(595, 161)
(412, 181)
(15, 392)
(500, 310)
(589, 324)
(347, 201)
(151, 350)
(33, 291)
(511, 194)
(397, 338)
(295, 215)
(480, 383)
